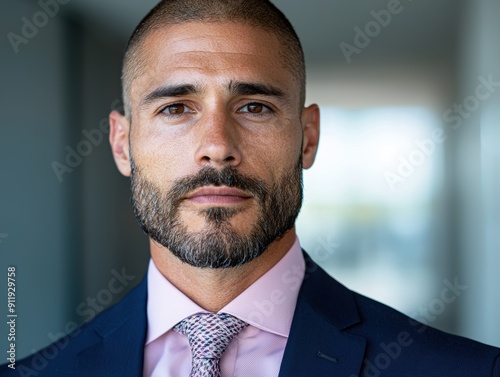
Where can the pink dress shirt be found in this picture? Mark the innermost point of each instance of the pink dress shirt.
(267, 306)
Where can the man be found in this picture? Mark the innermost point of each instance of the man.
(214, 138)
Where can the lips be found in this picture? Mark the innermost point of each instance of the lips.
(218, 195)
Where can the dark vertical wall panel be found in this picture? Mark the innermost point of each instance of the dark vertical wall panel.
(32, 200)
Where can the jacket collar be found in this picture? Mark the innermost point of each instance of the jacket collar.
(117, 342)
(319, 342)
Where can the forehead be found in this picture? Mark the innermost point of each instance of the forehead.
(209, 53)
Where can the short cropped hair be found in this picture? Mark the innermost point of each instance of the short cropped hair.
(257, 13)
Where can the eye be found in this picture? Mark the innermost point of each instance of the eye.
(176, 109)
(255, 108)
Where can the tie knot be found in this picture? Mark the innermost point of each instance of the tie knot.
(209, 334)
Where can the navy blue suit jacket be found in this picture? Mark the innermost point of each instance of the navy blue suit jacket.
(335, 332)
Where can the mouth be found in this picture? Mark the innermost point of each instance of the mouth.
(218, 196)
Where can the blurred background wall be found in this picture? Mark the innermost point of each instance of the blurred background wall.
(401, 204)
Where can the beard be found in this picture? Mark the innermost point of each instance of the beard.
(218, 245)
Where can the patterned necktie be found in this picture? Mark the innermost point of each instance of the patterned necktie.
(209, 334)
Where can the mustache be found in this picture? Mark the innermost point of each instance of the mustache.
(209, 176)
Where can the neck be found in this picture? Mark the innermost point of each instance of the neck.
(212, 289)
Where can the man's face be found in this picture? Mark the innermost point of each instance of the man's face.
(216, 142)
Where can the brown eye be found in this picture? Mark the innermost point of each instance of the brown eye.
(255, 108)
(175, 109)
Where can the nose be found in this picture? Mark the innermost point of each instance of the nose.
(218, 141)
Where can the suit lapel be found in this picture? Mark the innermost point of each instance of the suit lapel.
(319, 344)
(116, 346)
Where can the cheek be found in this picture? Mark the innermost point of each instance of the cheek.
(163, 158)
(274, 154)
(166, 155)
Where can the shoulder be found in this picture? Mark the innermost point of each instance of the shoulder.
(396, 339)
(395, 344)
(61, 358)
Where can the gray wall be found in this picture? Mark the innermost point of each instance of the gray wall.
(33, 204)
(66, 235)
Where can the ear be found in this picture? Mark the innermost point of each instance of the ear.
(119, 128)
(310, 128)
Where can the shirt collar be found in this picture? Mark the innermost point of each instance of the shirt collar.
(268, 304)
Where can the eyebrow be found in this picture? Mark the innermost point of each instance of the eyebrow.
(169, 91)
(249, 89)
(235, 88)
